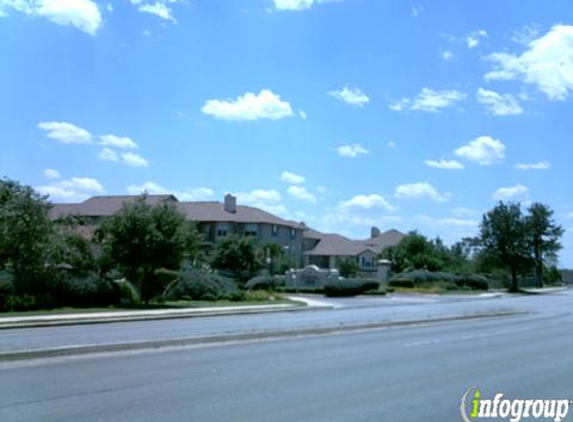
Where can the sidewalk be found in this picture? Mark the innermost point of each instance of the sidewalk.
(146, 315)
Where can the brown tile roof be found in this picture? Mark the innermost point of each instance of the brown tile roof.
(215, 212)
(106, 206)
(336, 245)
(102, 206)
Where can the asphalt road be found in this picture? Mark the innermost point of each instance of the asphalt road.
(349, 312)
(400, 374)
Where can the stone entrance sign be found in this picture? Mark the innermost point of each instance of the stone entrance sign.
(310, 276)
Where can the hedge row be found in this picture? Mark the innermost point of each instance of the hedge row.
(350, 287)
(422, 278)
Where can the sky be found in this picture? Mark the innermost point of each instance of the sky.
(344, 114)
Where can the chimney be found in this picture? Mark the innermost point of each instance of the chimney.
(374, 232)
(230, 204)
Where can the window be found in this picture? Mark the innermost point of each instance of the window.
(292, 233)
(221, 232)
(251, 229)
(275, 230)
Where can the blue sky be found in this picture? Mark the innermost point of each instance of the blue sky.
(343, 114)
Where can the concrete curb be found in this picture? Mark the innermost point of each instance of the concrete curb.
(39, 322)
(236, 337)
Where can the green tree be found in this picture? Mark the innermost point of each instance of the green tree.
(503, 235)
(237, 255)
(348, 268)
(25, 230)
(141, 239)
(544, 235)
(270, 253)
(415, 252)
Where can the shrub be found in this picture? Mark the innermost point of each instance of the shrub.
(408, 284)
(473, 281)
(201, 284)
(349, 287)
(258, 296)
(91, 290)
(265, 283)
(446, 281)
(128, 294)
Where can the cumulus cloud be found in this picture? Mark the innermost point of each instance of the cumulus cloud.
(484, 150)
(118, 142)
(445, 164)
(74, 189)
(547, 63)
(499, 104)
(429, 100)
(108, 154)
(189, 194)
(352, 151)
(298, 5)
(464, 212)
(301, 193)
(448, 55)
(52, 174)
(514, 193)
(367, 202)
(292, 178)
(352, 96)
(259, 195)
(158, 9)
(66, 133)
(416, 10)
(473, 39)
(134, 160)
(265, 105)
(541, 165)
(82, 14)
(421, 190)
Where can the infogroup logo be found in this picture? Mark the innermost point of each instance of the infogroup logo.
(474, 407)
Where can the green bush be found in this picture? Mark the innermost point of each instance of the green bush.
(201, 284)
(258, 296)
(349, 287)
(128, 294)
(265, 282)
(310, 290)
(90, 290)
(447, 281)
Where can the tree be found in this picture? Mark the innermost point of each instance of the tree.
(238, 255)
(25, 230)
(141, 239)
(415, 252)
(503, 234)
(348, 268)
(544, 236)
(271, 252)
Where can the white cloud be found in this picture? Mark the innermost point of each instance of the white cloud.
(421, 190)
(118, 142)
(474, 38)
(321, 189)
(464, 212)
(107, 154)
(66, 133)
(448, 55)
(445, 164)
(52, 174)
(259, 195)
(190, 194)
(547, 63)
(292, 178)
(298, 5)
(514, 193)
(526, 34)
(367, 202)
(302, 115)
(300, 192)
(265, 105)
(351, 150)
(109, 7)
(74, 189)
(391, 144)
(448, 222)
(541, 165)
(352, 96)
(499, 104)
(416, 10)
(134, 160)
(429, 100)
(158, 9)
(484, 150)
(82, 14)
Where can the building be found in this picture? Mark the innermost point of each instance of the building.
(301, 245)
(214, 220)
(327, 250)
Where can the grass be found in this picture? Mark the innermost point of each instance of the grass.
(180, 304)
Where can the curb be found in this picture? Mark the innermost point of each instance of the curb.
(237, 337)
(39, 322)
